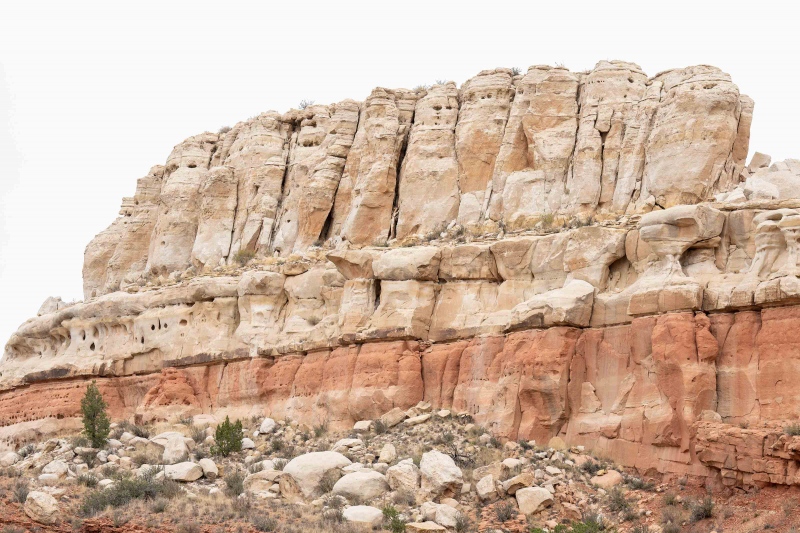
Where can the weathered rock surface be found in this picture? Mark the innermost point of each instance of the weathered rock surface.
(41, 507)
(580, 256)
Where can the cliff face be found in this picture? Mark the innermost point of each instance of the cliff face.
(583, 255)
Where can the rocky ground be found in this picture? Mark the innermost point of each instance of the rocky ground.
(413, 471)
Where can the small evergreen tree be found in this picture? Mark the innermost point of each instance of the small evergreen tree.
(96, 424)
(228, 437)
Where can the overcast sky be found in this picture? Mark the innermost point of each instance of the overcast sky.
(94, 94)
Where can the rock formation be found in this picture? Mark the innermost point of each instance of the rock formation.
(577, 255)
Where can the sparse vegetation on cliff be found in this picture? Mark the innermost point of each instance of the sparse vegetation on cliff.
(228, 438)
(96, 425)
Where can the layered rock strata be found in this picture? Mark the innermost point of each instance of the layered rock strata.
(583, 255)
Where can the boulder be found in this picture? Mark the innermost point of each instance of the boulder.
(388, 453)
(393, 417)
(248, 444)
(361, 486)
(41, 507)
(308, 470)
(175, 450)
(363, 514)
(610, 479)
(511, 486)
(486, 489)
(57, 468)
(186, 471)
(267, 426)
(8, 459)
(533, 499)
(440, 475)
(210, 470)
(403, 476)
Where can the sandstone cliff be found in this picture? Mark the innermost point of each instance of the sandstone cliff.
(584, 255)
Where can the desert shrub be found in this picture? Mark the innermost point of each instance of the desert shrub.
(463, 523)
(515, 71)
(701, 510)
(592, 523)
(21, 490)
(279, 463)
(125, 490)
(96, 425)
(445, 438)
(26, 450)
(88, 480)
(198, 434)
(379, 427)
(159, 505)
(505, 511)
(637, 483)
(242, 257)
(617, 501)
(671, 519)
(328, 480)
(404, 497)
(592, 467)
(305, 103)
(234, 483)
(224, 129)
(321, 429)
(133, 429)
(277, 445)
(228, 438)
(80, 441)
(262, 522)
(393, 521)
(793, 430)
(670, 499)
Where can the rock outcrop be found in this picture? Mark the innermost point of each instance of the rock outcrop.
(585, 256)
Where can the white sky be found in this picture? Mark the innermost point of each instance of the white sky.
(93, 94)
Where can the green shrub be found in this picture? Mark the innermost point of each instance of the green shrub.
(96, 425)
(393, 521)
(228, 438)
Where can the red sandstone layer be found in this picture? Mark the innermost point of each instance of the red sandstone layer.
(666, 393)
